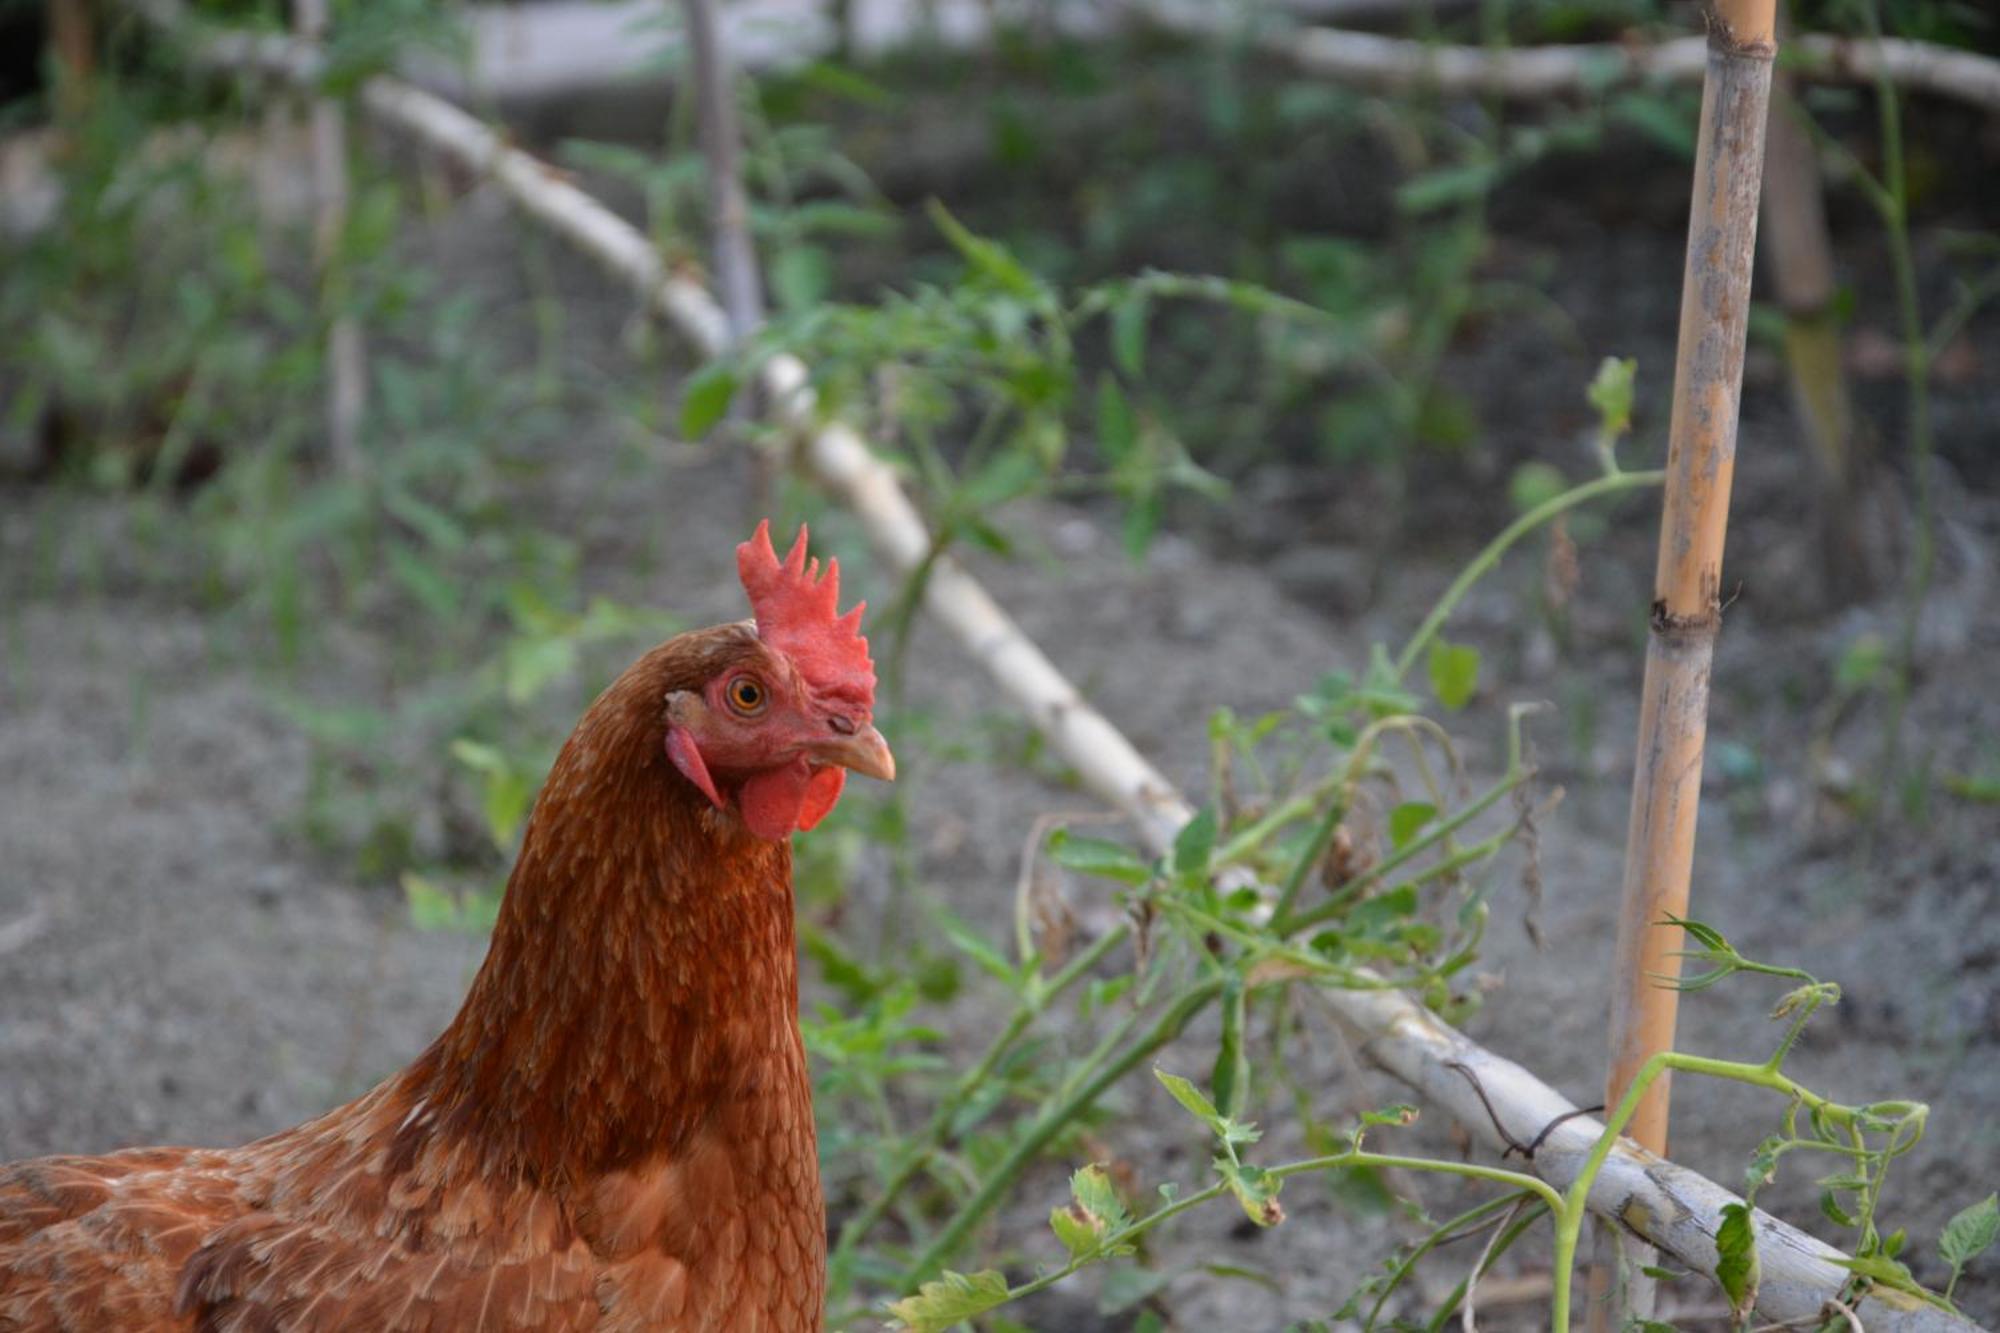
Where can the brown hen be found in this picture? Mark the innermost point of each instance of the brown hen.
(616, 1131)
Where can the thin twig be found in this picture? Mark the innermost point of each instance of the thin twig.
(1466, 1319)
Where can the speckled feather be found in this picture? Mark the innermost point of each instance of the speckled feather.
(615, 1132)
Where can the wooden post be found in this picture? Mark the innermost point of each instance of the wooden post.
(721, 144)
(735, 252)
(1687, 588)
(72, 43)
(346, 357)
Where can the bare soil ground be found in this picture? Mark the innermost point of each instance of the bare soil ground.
(178, 964)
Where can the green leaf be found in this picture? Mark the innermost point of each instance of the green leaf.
(706, 401)
(431, 908)
(1382, 692)
(1883, 1270)
(1535, 484)
(974, 946)
(1231, 1079)
(1611, 394)
(1117, 426)
(1709, 937)
(1408, 819)
(1128, 333)
(1860, 664)
(1667, 121)
(1127, 1285)
(530, 665)
(950, 1299)
(1736, 1257)
(1191, 1097)
(1447, 186)
(1195, 843)
(1454, 672)
(801, 276)
(1970, 1233)
(436, 527)
(988, 258)
(424, 581)
(1098, 856)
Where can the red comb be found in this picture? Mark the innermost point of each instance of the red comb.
(797, 614)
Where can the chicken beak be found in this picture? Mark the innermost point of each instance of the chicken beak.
(864, 752)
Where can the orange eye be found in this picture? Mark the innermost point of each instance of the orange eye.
(746, 696)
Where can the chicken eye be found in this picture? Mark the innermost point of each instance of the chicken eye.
(746, 696)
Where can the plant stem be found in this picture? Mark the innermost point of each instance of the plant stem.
(1610, 484)
(939, 1129)
(1330, 1162)
(1321, 838)
(1051, 1122)
(1893, 200)
(1435, 834)
(1463, 1224)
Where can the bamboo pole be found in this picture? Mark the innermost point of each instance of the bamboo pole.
(1687, 584)
(1799, 252)
(346, 356)
(1667, 1205)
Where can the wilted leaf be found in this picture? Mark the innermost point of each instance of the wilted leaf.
(1256, 1189)
(1094, 1213)
(949, 1300)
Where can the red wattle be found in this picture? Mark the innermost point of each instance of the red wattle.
(774, 801)
(821, 794)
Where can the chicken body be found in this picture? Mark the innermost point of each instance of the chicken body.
(615, 1132)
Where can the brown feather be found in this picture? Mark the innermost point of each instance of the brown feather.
(615, 1132)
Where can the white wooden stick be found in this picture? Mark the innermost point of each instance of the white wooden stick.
(1673, 1208)
(1537, 73)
